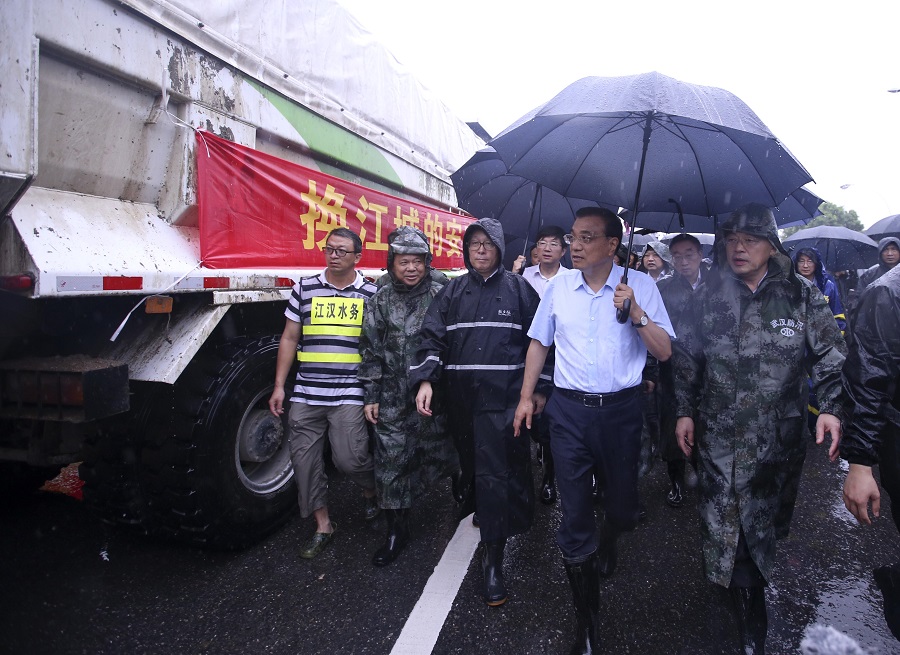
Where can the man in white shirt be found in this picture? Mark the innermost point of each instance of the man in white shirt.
(550, 248)
(594, 410)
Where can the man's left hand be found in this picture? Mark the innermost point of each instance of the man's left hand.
(829, 424)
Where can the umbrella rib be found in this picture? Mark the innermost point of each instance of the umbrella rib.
(590, 150)
(683, 136)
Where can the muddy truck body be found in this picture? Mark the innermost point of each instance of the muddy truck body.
(100, 106)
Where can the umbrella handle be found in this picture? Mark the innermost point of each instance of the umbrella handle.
(622, 314)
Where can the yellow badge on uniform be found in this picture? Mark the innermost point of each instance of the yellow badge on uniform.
(337, 311)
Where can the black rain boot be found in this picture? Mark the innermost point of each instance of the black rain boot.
(606, 550)
(456, 486)
(548, 485)
(750, 610)
(888, 581)
(492, 567)
(676, 474)
(397, 537)
(586, 597)
(467, 491)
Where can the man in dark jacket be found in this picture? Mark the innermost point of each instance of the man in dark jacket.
(677, 292)
(888, 256)
(872, 432)
(474, 340)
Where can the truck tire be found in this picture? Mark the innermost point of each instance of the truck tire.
(203, 461)
(216, 466)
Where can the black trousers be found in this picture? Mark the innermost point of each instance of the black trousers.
(583, 439)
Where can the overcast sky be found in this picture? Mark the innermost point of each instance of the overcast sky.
(817, 73)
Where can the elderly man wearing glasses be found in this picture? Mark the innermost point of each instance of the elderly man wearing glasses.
(470, 360)
(595, 410)
(325, 317)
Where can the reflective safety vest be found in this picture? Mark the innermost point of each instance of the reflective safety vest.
(332, 335)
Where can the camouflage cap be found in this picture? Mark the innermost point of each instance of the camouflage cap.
(407, 240)
(755, 219)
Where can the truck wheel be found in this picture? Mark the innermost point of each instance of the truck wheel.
(216, 465)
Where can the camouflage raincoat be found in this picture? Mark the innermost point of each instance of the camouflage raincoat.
(411, 451)
(741, 365)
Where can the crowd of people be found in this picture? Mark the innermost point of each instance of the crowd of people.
(712, 365)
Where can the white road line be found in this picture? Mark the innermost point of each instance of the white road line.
(421, 630)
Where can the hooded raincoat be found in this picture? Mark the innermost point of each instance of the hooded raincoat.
(880, 268)
(474, 341)
(741, 365)
(871, 377)
(826, 284)
(411, 451)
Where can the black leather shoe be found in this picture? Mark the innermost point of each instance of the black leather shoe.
(548, 484)
(676, 475)
(750, 611)
(607, 557)
(492, 568)
(548, 492)
(397, 537)
(674, 497)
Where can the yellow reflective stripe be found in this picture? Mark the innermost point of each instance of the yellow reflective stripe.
(331, 358)
(331, 330)
(813, 410)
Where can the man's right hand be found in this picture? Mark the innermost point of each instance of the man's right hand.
(423, 398)
(524, 412)
(684, 432)
(860, 489)
(276, 400)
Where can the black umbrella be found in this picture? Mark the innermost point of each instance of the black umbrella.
(642, 141)
(799, 208)
(886, 227)
(485, 188)
(841, 248)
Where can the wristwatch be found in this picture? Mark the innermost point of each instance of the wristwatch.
(644, 320)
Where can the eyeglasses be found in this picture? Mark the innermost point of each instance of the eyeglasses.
(584, 238)
(340, 252)
(548, 244)
(732, 240)
(488, 246)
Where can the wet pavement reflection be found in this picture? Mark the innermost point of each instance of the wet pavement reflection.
(73, 585)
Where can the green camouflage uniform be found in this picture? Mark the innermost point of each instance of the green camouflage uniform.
(741, 365)
(411, 451)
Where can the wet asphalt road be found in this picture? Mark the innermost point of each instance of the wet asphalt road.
(72, 585)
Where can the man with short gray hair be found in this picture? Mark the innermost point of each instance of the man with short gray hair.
(751, 337)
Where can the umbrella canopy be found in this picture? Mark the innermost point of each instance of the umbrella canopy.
(485, 188)
(799, 208)
(886, 227)
(841, 248)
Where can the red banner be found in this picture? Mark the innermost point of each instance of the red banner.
(259, 211)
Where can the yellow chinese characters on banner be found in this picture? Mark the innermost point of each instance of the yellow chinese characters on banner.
(373, 216)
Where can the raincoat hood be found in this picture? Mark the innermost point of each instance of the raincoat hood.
(406, 240)
(660, 249)
(494, 231)
(816, 256)
(884, 243)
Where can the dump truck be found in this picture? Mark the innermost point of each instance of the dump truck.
(169, 170)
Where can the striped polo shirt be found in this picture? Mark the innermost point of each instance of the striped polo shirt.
(328, 352)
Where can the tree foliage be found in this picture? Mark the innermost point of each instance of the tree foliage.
(831, 215)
